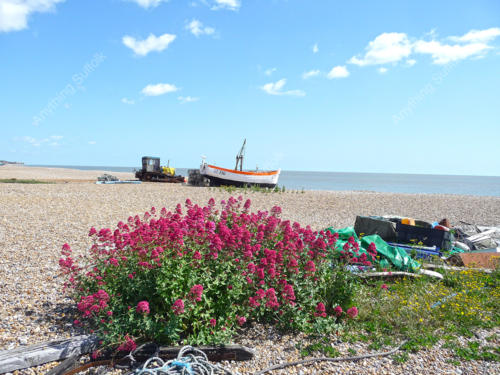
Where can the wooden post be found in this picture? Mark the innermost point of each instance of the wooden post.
(39, 354)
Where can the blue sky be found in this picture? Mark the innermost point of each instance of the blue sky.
(363, 86)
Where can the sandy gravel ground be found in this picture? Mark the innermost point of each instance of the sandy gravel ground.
(35, 220)
(55, 174)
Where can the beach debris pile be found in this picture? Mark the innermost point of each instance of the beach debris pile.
(107, 177)
(402, 242)
(480, 245)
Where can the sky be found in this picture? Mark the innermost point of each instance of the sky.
(319, 85)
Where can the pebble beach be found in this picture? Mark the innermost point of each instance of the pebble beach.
(36, 219)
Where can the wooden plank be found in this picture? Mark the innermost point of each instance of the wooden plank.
(66, 365)
(72, 349)
(452, 268)
(142, 354)
(214, 353)
(386, 275)
(39, 354)
(430, 273)
(483, 260)
(479, 236)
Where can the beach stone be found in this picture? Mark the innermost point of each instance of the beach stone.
(36, 220)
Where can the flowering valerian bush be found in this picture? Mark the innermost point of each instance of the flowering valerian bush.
(198, 275)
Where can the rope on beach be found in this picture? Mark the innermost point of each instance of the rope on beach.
(327, 359)
(189, 361)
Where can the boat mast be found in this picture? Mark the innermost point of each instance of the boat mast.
(239, 157)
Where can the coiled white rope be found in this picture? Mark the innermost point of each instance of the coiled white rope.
(189, 361)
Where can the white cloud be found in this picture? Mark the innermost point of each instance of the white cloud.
(270, 71)
(159, 89)
(481, 36)
(315, 48)
(338, 72)
(385, 48)
(276, 88)
(92, 142)
(445, 53)
(411, 62)
(196, 28)
(148, 3)
(128, 101)
(187, 99)
(394, 47)
(151, 43)
(382, 70)
(311, 73)
(31, 140)
(51, 141)
(227, 4)
(14, 14)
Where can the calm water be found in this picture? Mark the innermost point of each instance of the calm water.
(383, 182)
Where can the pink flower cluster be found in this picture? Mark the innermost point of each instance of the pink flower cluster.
(94, 303)
(178, 307)
(142, 307)
(128, 345)
(352, 312)
(320, 310)
(195, 293)
(269, 260)
(350, 253)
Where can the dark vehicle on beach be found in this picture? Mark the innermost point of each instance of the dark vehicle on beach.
(153, 171)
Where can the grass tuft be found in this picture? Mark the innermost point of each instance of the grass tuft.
(425, 310)
(22, 181)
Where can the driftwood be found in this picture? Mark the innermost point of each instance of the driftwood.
(430, 273)
(39, 354)
(481, 235)
(214, 353)
(142, 354)
(327, 359)
(66, 365)
(72, 349)
(72, 366)
(400, 274)
(452, 268)
(386, 275)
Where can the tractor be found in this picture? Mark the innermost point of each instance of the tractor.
(153, 171)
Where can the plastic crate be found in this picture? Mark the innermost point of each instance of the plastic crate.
(427, 236)
(368, 225)
(420, 252)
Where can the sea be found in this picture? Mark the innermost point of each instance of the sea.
(350, 181)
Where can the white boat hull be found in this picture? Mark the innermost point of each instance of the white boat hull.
(223, 176)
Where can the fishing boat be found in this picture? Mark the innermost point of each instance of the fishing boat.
(218, 176)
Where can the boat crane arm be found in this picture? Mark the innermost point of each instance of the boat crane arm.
(240, 156)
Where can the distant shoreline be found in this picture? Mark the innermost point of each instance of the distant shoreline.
(119, 169)
(18, 171)
(295, 180)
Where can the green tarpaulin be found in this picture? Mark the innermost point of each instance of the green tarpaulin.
(389, 255)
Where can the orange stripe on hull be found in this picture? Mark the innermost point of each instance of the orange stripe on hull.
(270, 173)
